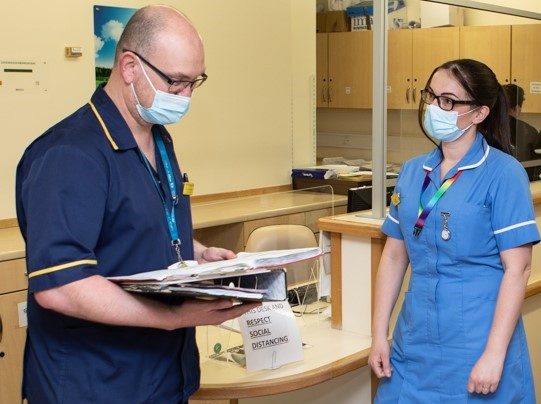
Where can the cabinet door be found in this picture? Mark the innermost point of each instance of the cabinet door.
(490, 45)
(350, 69)
(12, 338)
(431, 48)
(399, 68)
(526, 64)
(322, 76)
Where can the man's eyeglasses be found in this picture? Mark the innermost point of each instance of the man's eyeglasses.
(445, 103)
(175, 86)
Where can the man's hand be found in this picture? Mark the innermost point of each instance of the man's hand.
(215, 254)
(209, 312)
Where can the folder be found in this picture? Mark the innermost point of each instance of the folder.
(257, 276)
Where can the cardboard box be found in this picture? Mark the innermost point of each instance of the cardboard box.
(441, 15)
(337, 21)
(321, 22)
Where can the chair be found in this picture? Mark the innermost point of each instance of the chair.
(285, 236)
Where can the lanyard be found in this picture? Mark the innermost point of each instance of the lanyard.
(424, 212)
(170, 215)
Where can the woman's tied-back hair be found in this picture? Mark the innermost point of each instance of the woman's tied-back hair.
(481, 84)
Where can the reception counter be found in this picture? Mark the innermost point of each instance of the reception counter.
(225, 223)
(337, 346)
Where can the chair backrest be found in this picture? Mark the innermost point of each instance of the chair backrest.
(285, 236)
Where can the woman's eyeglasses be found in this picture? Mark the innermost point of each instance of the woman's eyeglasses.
(445, 103)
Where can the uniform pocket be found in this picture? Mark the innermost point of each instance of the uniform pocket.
(474, 236)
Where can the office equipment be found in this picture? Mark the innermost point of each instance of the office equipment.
(360, 198)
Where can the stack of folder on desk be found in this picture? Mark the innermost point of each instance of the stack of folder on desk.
(257, 276)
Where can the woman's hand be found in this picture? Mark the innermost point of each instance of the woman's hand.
(485, 375)
(379, 359)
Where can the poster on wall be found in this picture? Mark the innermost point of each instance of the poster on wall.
(109, 22)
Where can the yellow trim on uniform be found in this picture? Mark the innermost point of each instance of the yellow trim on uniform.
(105, 130)
(60, 267)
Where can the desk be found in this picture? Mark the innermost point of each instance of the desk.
(228, 223)
(226, 220)
(329, 354)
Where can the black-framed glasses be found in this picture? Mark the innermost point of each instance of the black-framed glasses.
(445, 103)
(175, 86)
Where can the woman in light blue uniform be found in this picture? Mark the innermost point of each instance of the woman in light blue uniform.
(462, 216)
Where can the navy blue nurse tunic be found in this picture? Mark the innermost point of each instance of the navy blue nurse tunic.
(87, 205)
(448, 308)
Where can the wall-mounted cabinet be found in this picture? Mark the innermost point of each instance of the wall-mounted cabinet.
(490, 45)
(344, 70)
(344, 62)
(412, 55)
(512, 52)
(526, 64)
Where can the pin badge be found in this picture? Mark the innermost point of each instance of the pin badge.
(395, 198)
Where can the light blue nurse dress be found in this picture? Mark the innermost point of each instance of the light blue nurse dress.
(448, 308)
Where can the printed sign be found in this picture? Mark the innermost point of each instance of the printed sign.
(535, 87)
(271, 336)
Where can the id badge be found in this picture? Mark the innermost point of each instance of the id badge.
(187, 188)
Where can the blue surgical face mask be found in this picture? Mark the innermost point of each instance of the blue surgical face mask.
(166, 108)
(441, 124)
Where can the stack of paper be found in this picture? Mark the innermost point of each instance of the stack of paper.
(250, 276)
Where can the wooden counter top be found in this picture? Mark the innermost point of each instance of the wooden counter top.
(329, 353)
(242, 209)
(209, 214)
(11, 244)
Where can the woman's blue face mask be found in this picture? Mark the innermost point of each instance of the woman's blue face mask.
(442, 125)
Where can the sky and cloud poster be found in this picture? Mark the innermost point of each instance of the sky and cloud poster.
(109, 22)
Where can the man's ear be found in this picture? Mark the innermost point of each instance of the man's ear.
(126, 66)
(481, 114)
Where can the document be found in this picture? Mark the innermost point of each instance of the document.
(257, 276)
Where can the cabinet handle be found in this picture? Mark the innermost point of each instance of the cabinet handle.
(2, 354)
(414, 97)
(408, 95)
(330, 94)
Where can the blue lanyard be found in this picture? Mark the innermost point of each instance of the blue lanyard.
(170, 215)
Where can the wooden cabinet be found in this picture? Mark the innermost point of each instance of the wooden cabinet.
(512, 53)
(344, 69)
(322, 71)
(412, 56)
(12, 328)
(490, 45)
(526, 64)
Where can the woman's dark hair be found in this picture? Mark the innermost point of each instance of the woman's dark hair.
(481, 84)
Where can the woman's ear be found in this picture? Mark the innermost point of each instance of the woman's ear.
(481, 114)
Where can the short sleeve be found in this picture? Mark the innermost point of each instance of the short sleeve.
(391, 225)
(63, 196)
(513, 216)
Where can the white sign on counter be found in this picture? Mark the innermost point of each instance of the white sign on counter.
(271, 336)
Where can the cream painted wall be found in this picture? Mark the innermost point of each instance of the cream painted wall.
(475, 17)
(249, 124)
